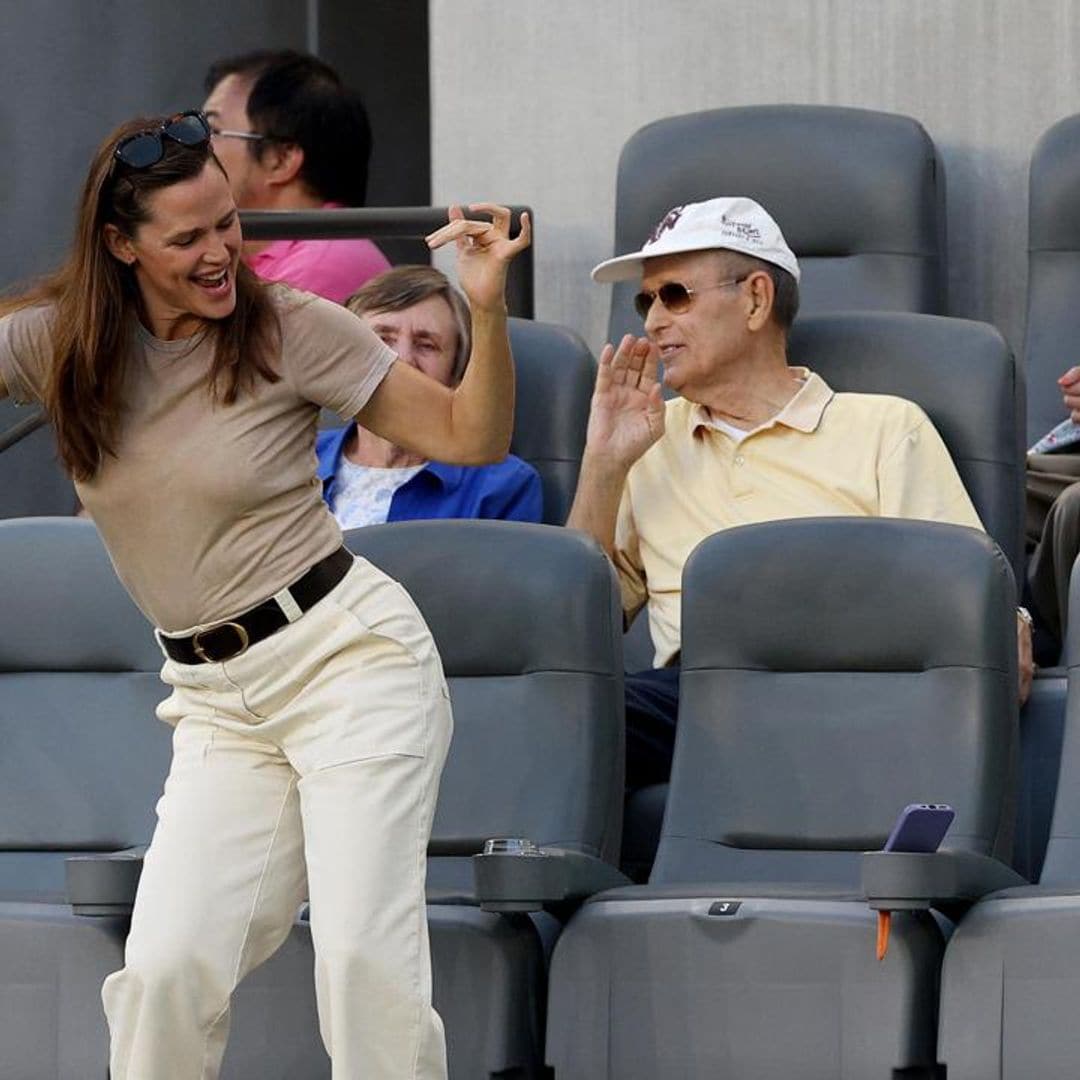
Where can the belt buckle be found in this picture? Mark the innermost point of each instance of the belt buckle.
(241, 634)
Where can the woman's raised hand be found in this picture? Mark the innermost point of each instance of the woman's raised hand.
(627, 413)
(484, 251)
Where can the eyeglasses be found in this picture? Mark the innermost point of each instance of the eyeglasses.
(146, 148)
(676, 296)
(252, 136)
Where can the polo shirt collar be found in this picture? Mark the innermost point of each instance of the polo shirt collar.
(448, 476)
(802, 413)
(265, 259)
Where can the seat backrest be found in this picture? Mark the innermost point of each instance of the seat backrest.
(859, 196)
(555, 375)
(527, 621)
(83, 756)
(32, 482)
(1053, 314)
(833, 671)
(963, 376)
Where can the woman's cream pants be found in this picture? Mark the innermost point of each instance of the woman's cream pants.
(308, 767)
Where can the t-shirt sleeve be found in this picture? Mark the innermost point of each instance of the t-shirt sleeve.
(917, 478)
(25, 353)
(330, 356)
(627, 559)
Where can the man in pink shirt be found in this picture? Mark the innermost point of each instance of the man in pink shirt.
(292, 137)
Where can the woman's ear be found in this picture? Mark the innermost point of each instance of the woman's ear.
(119, 245)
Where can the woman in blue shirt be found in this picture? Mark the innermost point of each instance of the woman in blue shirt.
(368, 480)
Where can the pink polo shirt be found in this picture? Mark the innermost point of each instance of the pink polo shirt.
(331, 268)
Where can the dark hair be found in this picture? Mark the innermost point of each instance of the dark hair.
(785, 287)
(297, 99)
(404, 286)
(96, 300)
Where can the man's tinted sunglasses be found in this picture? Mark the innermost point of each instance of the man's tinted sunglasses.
(676, 296)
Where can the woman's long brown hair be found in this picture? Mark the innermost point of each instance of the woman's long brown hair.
(96, 301)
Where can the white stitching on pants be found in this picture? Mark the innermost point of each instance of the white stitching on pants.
(244, 938)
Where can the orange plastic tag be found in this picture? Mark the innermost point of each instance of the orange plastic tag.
(884, 921)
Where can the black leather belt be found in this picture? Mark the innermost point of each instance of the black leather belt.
(227, 640)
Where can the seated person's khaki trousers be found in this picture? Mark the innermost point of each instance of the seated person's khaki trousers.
(317, 750)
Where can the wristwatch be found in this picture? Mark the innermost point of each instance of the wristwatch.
(1026, 616)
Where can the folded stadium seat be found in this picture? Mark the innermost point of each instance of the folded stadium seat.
(859, 196)
(82, 765)
(32, 481)
(526, 619)
(1011, 980)
(555, 374)
(834, 670)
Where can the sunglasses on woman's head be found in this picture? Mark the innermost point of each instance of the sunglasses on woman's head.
(675, 296)
(146, 148)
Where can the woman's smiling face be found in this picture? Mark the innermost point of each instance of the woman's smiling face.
(185, 254)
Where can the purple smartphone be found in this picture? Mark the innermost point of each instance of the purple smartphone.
(920, 827)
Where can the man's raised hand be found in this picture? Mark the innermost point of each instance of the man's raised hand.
(627, 412)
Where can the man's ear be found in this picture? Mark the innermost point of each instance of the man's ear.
(119, 245)
(282, 163)
(762, 296)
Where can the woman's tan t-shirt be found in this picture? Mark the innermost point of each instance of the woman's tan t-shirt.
(208, 509)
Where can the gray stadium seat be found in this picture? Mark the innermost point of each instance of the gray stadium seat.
(859, 196)
(1011, 979)
(833, 670)
(555, 374)
(527, 622)
(1053, 315)
(82, 765)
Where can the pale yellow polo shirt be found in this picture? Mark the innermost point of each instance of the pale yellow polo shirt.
(824, 454)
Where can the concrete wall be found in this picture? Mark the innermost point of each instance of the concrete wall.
(531, 102)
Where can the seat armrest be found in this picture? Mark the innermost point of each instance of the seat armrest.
(950, 881)
(548, 877)
(104, 884)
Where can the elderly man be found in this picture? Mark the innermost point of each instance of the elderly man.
(367, 480)
(292, 137)
(749, 439)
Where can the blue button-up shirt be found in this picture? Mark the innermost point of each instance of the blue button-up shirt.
(508, 490)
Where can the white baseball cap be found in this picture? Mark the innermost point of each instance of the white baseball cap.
(733, 223)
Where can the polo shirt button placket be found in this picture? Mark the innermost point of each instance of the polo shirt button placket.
(740, 481)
